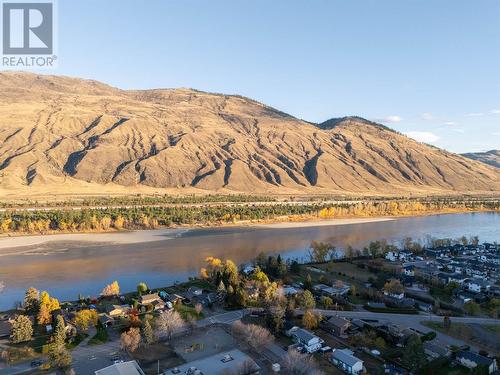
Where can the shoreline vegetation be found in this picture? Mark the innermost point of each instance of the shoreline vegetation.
(150, 235)
(149, 213)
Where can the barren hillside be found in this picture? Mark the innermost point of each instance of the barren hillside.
(491, 157)
(66, 134)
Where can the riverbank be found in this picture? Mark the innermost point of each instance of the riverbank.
(142, 235)
(151, 235)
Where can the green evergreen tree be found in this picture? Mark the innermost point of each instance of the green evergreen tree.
(22, 329)
(147, 333)
(59, 337)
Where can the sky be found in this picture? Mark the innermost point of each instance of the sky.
(430, 69)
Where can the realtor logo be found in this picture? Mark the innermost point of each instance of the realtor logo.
(28, 34)
(27, 28)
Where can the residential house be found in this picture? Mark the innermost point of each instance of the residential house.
(472, 360)
(395, 296)
(337, 325)
(122, 368)
(152, 299)
(170, 298)
(289, 290)
(392, 256)
(117, 311)
(436, 350)
(147, 299)
(409, 270)
(194, 292)
(310, 342)
(435, 252)
(248, 270)
(345, 360)
(476, 285)
(252, 291)
(337, 290)
(206, 298)
(105, 320)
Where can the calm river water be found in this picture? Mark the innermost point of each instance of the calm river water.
(66, 269)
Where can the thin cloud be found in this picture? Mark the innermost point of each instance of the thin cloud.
(425, 137)
(495, 111)
(450, 123)
(427, 116)
(475, 114)
(389, 119)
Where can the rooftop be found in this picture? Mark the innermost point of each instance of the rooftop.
(303, 335)
(123, 368)
(338, 321)
(345, 356)
(473, 357)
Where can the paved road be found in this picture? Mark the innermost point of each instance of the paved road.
(404, 318)
(20, 368)
(412, 321)
(88, 359)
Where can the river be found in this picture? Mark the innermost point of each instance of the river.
(66, 268)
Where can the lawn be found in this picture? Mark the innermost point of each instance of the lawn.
(470, 333)
(348, 271)
(495, 328)
(187, 310)
(76, 340)
(100, 337)
(440, 294)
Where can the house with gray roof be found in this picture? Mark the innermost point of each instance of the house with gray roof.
(472, 360)
(309, 341)
(345, 360)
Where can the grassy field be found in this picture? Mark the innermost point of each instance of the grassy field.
(100, 337)
(492, 328)
(441, 295)
(471, 334)
(186, 311)
(346, 271)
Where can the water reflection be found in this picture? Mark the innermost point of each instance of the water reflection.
(66, 269)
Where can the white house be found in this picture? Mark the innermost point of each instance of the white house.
(346, 361)
(472, 360)
(391, 256)
(308, 340)
(289, 290)
(398, 296)
(478, 285)
(409, 270)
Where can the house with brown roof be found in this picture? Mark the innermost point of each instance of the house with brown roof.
(337, 325)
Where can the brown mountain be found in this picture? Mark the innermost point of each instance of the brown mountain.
(491, 157)
(63, 135)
